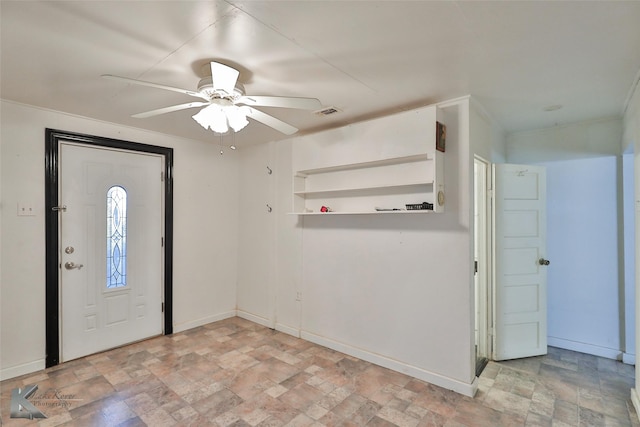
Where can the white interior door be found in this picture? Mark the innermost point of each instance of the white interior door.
(111, 248)
(520, 265)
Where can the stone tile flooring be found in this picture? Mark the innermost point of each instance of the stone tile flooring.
(237, 373)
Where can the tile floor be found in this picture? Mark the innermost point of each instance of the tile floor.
(237, 373)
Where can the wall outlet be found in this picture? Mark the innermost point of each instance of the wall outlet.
(26, 209)
(298, 296)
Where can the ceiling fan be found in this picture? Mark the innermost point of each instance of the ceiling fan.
(226, 104)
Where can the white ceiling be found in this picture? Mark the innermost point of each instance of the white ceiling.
(367, 58)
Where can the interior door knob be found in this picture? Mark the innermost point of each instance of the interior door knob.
(543, 261)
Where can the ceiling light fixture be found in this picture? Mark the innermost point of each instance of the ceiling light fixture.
(225, 102)
(222, 115)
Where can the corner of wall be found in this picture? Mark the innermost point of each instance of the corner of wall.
(635, 399)
(631, 118)
(486, 134)
(184, 326)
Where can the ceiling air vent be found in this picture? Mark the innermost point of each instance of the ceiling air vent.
(327, 111)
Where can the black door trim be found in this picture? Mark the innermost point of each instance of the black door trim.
(52, 137)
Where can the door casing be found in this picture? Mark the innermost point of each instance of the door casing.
(482, 250)
(52, 293)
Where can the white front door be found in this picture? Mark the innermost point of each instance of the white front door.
(111, 253)
(520, 264)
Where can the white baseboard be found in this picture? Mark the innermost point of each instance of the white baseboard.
(629, 359)
(180, 327)
(25, 368)
(594, 350)
(254, 318)
(288, 330)
(414, 371)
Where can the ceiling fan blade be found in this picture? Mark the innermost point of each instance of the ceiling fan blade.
(270, 121)
(224, 77)
(155, 85)
(281, 101)
(169, 109)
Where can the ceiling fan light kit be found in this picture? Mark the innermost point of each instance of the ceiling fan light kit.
(222, 115)
(225, 103)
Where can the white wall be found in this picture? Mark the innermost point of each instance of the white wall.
(585, 280)
(257, 234)
(205, 229)
(289, 244)
(395, 290)
(270, 249)
(596, 138)
(582, 240)
(629, 249)
(487, 138)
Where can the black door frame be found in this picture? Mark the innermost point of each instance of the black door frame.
(52, 305)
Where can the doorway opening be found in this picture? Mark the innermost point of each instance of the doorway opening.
(53, 140)
(482, 251)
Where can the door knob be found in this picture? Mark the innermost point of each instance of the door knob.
(543, 261)
(70, 265)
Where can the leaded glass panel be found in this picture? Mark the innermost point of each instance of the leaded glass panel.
(116, 237)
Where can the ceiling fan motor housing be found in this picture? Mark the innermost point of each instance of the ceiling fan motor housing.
(205, 87)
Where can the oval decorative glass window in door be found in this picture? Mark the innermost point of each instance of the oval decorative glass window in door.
(116, 237)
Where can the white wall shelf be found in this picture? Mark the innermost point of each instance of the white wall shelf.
(384, 163)
(363, 188)
(367, 164)
(396, 212)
